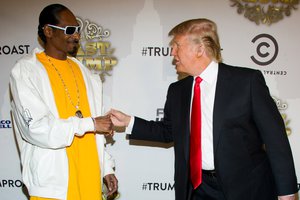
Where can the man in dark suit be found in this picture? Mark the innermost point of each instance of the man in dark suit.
(244, 150)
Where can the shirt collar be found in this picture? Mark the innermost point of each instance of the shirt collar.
(210, 74)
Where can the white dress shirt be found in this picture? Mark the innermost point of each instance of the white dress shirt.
(208, 90)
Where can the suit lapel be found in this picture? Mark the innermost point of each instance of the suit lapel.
(186, 104)
(221, 97)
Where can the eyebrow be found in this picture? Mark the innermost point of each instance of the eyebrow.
(172, 42)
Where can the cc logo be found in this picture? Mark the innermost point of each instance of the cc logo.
(266, 49)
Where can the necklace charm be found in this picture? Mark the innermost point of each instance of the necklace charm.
(78, 113)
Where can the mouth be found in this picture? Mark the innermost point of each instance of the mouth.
(175, 61)
(72, 47)
(75, 42)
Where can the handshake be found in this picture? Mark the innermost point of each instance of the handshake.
(114, 118)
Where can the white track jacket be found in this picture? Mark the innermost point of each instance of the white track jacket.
(41, 135)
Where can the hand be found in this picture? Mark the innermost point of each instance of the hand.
(287, 197)
(111, 183)
(103, 124)
(119, 119)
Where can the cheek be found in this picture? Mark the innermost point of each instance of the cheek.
(62, 41)
(184, 58)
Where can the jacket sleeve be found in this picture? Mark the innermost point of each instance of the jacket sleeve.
(272, 131)
(109, 164)
(160, 131)
(35, 120)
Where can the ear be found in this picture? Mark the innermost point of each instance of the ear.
(200, 50)
(48, 31)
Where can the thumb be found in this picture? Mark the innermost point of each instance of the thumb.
(113, 111)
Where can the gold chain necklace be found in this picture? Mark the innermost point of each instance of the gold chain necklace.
(78, 112)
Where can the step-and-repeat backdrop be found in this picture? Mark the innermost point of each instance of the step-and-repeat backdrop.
(127, 44)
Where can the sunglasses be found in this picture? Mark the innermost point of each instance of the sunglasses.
(68, 30)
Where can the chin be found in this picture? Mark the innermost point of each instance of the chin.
(179, 70)
(73, 51)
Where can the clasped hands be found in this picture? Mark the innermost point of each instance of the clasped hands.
(105, 124)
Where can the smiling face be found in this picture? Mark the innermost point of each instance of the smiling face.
(59, 44)
(184, 53)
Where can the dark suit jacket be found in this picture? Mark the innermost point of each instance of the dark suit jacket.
(252, 155)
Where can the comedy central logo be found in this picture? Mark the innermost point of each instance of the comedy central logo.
(94, 52)
(265, 11)
(266, 49)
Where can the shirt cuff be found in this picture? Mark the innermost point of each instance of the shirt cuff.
(129, 128)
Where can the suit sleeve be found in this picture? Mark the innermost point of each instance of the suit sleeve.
(160, 131)
(272, 130)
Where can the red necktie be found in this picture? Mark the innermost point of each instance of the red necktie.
(195, 137)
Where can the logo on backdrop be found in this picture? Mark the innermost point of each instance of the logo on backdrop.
(265, 11)
(95, 53)
(156, 51)
(266, 52)
(159, 114)
(5, 123)
(266, 49)
(156, 186)
(14, 49)
(9, 183)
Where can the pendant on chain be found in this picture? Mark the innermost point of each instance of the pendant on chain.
(78, 113)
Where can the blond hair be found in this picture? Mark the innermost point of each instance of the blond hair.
(201, 31)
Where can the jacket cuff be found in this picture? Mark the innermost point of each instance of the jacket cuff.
(85, 125)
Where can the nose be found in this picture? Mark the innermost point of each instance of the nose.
(173, 51)
(76, 35)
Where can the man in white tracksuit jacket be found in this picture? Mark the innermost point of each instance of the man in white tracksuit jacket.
(31, 91)
(42, 136)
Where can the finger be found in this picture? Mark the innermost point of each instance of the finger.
(110, 188)
(109, 193)
(111, 133)
(112, 191)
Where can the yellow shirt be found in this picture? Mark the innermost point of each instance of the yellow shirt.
(84, 169)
